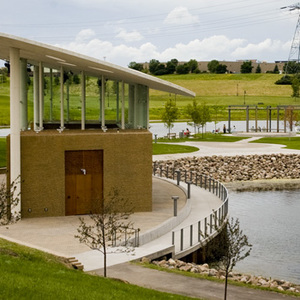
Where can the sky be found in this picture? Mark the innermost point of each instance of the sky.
(122, 31)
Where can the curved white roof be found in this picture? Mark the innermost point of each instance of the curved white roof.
(54, 57)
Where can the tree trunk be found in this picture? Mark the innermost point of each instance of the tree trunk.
(226, 279)
(104, 252)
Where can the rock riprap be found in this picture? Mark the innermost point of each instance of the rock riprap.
(204, 269)
(234, 168)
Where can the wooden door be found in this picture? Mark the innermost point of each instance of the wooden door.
(83, 181)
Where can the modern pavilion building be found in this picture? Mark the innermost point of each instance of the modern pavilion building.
(68, 157)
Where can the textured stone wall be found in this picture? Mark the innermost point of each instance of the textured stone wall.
(127, 158)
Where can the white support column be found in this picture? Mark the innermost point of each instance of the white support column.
(135, 106)
(148, 104)
(51, 95)
(62, 121)
(123, 105)
(15, 137)
(23, 95)
(36, 98)
(82, 101)
(103, 102)
(41, 96)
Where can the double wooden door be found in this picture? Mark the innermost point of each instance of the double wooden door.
(83, 181)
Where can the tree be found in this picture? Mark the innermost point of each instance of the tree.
(246, 67)
(258, 69)
(212, 66)
(221, 69)
(171, 66)
(170, 114)
(108, 226)
(153, 66)
(76, 79)
(135, 66)
(291, 67)
(183, 69)
(295, 86)
(238, 248)
(193, 65)
(204, 116)
(9, 199)
(194, 112)
(276, 69)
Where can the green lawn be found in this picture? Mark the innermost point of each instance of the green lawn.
(171, 149)
(215, 89)
(207, 137)
(2, 152)
(289, 142)
(26, 273)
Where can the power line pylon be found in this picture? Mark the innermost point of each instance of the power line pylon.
(294, 55)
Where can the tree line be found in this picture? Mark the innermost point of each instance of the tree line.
(155, 67)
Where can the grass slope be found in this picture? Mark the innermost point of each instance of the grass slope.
(171, 149)
(26, 273)
(214, 89)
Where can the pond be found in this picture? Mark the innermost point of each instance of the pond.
(271, 221)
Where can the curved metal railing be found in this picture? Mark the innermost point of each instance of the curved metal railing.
(196, 235)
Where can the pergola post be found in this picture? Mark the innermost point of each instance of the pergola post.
(118, 103)
(229, 119)
(23, 95)
(15, 142)
(270, 119)
(285, 119)
(36, 95)
(41, 95)
(148, 107)
(277, 118)
(247, 119)
(255, 118)
(267, 109)
(62, 121)
(82, 101)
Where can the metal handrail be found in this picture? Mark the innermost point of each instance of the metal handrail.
(202, 231)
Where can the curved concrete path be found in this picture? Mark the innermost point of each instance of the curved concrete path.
(242, 147)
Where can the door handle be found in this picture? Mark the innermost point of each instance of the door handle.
(83, 171)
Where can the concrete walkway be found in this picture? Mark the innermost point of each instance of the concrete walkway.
(183, 285)
(242, 147)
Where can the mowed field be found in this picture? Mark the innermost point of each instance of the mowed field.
(216, 90)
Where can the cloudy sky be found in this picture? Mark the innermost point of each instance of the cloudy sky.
(121, 31)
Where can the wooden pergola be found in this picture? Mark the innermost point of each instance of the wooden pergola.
(286, 109)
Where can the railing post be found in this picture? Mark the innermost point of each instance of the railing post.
(188, 189)
(199, 231)
(154, 164)
(191, 176)
(161, 168)
(191, 235)
(196, 181)
(181, 239)
(167, 172)
(209, 184)
(205, 227)
(173, 238)
(185, 176)
(213, 186)
(216, 220)
(205, 183)
(201, 181)
(210, 225)
(178, 176)
(175, 198)
(137, 238)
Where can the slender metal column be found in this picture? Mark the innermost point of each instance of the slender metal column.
(247, 119)
(255, 118)
(103, 102)
(51, 96)
(23, 95)
(15, 138)
(41, 95)
(36, 95)
(62, 121)
(118, 102)
(229, 119)
(123, 105)
(277, 118)
(82, 101)
(148, 104)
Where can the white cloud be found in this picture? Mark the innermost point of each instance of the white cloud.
(180, 16)
(132, 36)
(85, 35)
(217, 47)
(260, 49)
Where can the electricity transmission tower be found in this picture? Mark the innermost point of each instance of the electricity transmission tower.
(293, 64)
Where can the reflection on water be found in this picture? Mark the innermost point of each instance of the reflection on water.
(272, 223)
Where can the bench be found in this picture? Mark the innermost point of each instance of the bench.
(171, 135)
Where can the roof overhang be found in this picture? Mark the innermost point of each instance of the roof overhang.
(55, 58)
